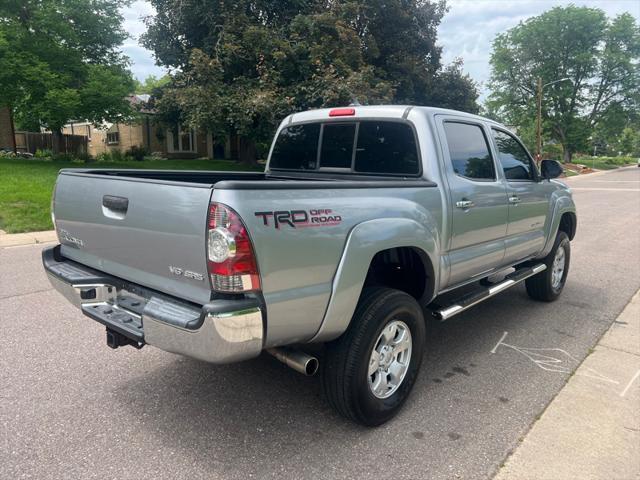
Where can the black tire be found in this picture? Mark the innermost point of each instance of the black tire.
(345, 373)
(540, 287)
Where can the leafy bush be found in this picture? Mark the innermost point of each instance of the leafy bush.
(43, 153)
(63, 157)
(137, 153)
(111, 156)
(6, 153)
(46, 154)
(552, 151)
(614, 160)
(117, 156)
(618, 161)
(85, 157)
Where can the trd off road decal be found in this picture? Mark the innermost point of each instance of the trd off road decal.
(322, 217)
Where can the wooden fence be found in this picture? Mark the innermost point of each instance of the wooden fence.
(32, 141)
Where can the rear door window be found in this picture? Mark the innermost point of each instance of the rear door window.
(469, 151)
(365, 147)
(386, 147)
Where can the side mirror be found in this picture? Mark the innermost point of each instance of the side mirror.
(550, 169)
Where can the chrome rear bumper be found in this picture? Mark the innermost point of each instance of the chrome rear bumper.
(222, 331)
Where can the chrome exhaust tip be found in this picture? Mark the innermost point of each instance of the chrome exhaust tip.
(297, 360)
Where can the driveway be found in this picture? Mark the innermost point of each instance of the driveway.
(72, 408)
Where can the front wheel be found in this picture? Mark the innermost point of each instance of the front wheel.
(370, 370)
(548, 284)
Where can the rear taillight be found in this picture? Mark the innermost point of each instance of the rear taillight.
(232, 263)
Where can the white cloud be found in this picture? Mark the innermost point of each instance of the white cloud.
(134, 15)
(142, 61)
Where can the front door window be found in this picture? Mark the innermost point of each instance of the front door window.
(516, 162)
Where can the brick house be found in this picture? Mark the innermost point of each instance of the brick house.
(170, 141)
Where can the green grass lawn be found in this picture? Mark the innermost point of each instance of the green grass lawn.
(26, 186)
(597, 164)
(605, 163)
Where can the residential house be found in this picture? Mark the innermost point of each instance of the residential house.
(148, 132)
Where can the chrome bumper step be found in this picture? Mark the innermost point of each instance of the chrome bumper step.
(221, 331)
(467, 301)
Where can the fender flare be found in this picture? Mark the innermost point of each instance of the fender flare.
(563, 205)
(364, 241)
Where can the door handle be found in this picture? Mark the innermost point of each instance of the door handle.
(514, 199)
(464, 204)
(115, 207)
(117, 204)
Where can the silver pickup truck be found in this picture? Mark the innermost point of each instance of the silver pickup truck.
(363, 218)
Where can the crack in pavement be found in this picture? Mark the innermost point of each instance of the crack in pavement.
(25, 294)
(622, 350)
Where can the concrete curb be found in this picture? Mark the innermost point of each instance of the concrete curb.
(16, 239)
(591, 430)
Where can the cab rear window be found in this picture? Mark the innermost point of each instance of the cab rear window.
(367, 147)
(297, 148)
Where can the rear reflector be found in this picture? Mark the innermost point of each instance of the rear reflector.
(342, 112)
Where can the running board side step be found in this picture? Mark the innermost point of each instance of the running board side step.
(474, 298)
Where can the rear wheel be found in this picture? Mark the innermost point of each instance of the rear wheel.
(370, 370)
(548, 284)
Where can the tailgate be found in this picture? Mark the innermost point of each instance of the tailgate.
(148, 232)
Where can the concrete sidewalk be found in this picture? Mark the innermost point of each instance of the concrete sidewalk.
(591, 430)
(15, 239)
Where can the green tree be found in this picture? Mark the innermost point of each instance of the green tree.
(612, 131)
(242, 66)
(598, 55)
(60, 60)
(452, 88)
(399, 40)
(629, 142)
(151, 84)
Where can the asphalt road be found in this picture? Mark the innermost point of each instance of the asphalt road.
(72, 408)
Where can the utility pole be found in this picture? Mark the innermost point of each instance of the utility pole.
(539, 123)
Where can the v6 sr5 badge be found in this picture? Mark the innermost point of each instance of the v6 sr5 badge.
(321, 217)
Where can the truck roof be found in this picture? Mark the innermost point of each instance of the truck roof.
(378, 111)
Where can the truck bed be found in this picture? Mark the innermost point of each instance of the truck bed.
(146, 226)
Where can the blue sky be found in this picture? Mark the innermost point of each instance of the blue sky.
(142, 62)
(467, 30)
